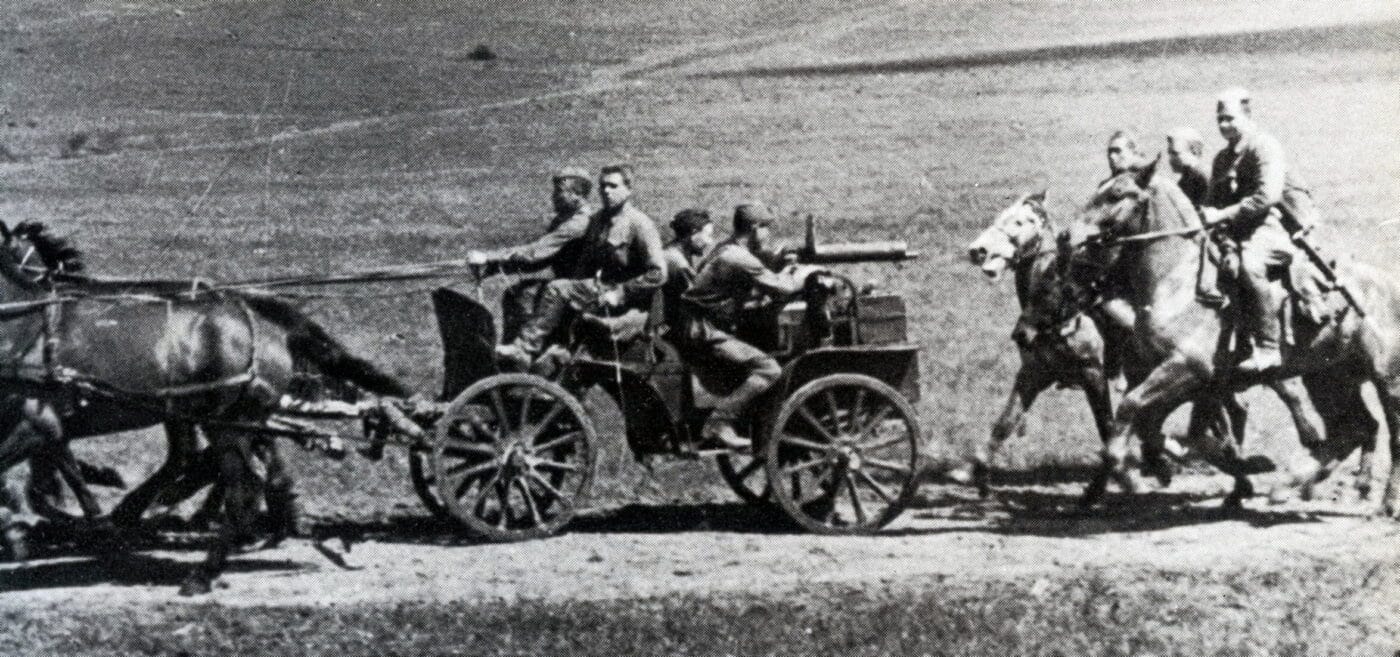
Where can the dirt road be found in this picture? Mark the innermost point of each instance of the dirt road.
(658, 551)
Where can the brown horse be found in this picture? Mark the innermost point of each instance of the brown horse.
(1061, 345)
(217, 359)
(1143, 230)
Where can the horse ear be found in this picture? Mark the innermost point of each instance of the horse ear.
(1037, 198)
(5, 231)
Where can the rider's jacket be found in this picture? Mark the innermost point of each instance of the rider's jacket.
(727, 276)
(1248, 179)
(557, 248)
(621, 247)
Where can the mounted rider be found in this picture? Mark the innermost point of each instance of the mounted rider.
(727, 278)
(1186, 156)
(1261, 202)
(619, 265)
(557, 249)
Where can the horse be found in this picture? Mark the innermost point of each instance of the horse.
(1142, 229)
(219, 359)
(1078, 348)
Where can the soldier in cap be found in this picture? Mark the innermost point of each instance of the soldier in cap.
(694, 236)
(1186, 155)
(618, 264)
(727, 277)
(1249, 180)
(557, 249)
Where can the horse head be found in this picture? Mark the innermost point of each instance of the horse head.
(31, 239)
(1014, 234)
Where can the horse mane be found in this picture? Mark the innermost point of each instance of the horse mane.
(57, 253)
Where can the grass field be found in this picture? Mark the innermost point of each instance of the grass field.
(248, 138)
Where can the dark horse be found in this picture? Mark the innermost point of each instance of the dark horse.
(84, 362)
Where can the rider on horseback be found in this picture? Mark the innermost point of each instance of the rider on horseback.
(1251, 189)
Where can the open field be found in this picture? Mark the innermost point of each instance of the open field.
(249, 138)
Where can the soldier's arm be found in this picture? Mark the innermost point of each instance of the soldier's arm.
(648, 239)
(537, 254)
(776, 284)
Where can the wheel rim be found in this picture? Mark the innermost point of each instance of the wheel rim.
(843, 455)
(746, 476)
(424, 476)
(514, 457)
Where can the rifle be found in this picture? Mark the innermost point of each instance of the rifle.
(1304, 244)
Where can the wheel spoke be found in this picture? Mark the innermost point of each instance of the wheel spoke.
(875, 485)
(499, 405)
(530, 502)
(881, 444)
(855, 408)
(802, 467)
(479, 504)
(804, 443)
(555, 465)
(525, 409)
(886, 465)
(835, 408)
(806, 414)
(572, 436)
(875, 420)
(544, 422)
(503, 498)
(549, 488)
(468, 470)
(855, 498)
(458, 447)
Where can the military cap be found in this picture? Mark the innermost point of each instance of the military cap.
(750, 215)
(689, 221)
(573, 172)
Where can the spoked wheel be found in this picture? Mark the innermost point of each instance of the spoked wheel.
(843, 455)
(514, 457)
(745, 474)
(421, 471)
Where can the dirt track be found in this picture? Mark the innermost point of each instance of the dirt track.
(648, 551)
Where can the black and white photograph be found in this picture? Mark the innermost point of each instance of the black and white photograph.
(941, 328)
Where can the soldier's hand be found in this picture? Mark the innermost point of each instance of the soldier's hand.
(1212, 216)
(612, 297)
(476, 258)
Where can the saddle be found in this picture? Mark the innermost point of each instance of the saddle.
(1310, 293)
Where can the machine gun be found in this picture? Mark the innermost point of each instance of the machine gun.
(814, 253)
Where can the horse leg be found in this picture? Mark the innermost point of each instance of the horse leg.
(1390, 403)
(181, 443)
(1030, 382)
(1347, 422)
(282, 507)
(1141, 413)
(239, 474)
(1294, 393)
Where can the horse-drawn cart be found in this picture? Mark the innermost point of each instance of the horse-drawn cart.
(511, 455)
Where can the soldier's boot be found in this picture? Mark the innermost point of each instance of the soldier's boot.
(721, 430)
(1268, 333)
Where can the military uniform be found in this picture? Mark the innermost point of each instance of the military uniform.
(1249, 179)
(727, 277)
(556, 249)
(618, 247)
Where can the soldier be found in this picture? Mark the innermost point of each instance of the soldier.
(556, 249)
(619, 264)
(1248, 181)
(1186, 154)
(695, 234)
(1123, 154)
(726, 278)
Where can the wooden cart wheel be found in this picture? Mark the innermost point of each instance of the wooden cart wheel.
(514, 457)
(746, 476)
(421, 471)
(843, 454)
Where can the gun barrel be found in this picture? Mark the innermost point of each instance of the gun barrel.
(825, 254)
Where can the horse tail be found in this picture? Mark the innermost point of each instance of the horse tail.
(309, 341)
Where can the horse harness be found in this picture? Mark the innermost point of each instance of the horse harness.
(59, 378)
